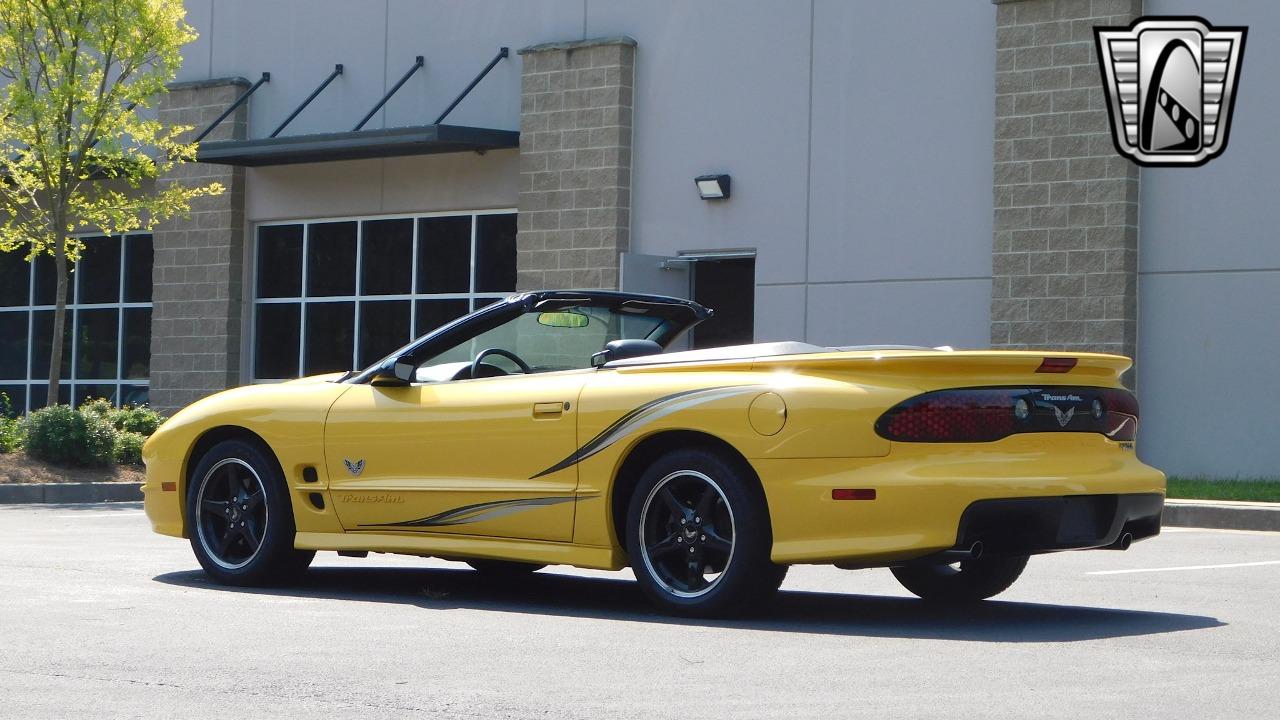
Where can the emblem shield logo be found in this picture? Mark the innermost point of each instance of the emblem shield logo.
(1170, 87)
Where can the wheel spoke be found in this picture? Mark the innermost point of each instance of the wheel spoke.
(250, 532)
(694, 578)
(225, 544)
(705, 502)
(252, 502)
(665, 547)
(678, 510)
(216, 507)
(715, 542)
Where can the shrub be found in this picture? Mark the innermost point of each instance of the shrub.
(10, 427)
(62, 435)
(138, 419)
(128, 447)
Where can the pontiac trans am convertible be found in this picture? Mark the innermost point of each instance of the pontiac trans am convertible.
(552, 428)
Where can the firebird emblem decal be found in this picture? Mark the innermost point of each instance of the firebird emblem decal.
(1063, 417)
(355, 468)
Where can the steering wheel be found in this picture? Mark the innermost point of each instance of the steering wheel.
(475, 364)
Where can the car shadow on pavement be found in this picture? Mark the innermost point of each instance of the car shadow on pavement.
(549, 593)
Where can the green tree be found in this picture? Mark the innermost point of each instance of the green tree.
(79, 150)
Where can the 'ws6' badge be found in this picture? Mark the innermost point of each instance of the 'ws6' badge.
(1170, 85)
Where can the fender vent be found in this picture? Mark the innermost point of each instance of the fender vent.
(317, 500)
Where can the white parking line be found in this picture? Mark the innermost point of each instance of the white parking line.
(1184, 567)
(100, 516)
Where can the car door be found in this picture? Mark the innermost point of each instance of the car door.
(457, 457)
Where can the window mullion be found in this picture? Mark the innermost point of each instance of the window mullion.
(302, 304)
(120, 326)
(355, 309)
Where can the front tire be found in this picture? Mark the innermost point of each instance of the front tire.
(699, 537)
(971, 581)
(241, 519)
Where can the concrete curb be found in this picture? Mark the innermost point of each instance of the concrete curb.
(67, 493)
(1222, 515)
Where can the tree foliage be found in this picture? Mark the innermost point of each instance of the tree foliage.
(80, 148)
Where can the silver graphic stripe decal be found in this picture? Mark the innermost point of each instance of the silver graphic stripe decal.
(645, 414)
(478, 512)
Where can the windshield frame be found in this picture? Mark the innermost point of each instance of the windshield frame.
(680, 314)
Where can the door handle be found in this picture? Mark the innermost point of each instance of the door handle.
(549, 409)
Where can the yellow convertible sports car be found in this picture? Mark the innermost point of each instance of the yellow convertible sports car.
(552, 428)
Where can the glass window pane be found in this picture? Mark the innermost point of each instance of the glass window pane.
(46, 279)
(444, 254)
(15, 278)
(13, 400)
(134, 395)
(85, 393)
(330, 334)
(386, 258)
(39, 393)
(276, 341)
(496, 253)
(331, 259)
(384, 326)
(97, 344)
(139, 256)
(98, 270)
(41, 342)
(434, 313)
(279, 261)
(13, 346)
(137, 343)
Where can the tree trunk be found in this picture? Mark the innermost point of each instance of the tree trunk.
(59, 318)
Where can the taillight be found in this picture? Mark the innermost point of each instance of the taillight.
(988, 414)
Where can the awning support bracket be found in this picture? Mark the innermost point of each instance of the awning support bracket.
(337, 70)
(502, 53)
(266, 77)
(417, 64)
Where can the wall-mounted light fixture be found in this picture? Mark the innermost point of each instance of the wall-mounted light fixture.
(712, 187)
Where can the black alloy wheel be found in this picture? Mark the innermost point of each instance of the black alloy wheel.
(698, 535)
(240, 517)
(232, 513)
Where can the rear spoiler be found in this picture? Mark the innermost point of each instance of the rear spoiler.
(966, 367)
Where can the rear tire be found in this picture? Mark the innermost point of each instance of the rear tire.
(972, 581)
(699, 537)
(241, 519)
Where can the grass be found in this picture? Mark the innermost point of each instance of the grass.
(1202, 488)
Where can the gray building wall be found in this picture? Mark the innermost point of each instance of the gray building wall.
(813, 128)
(1209, 279)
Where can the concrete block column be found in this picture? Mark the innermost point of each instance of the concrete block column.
(1065, 255)
(197, 288)
(575, 163)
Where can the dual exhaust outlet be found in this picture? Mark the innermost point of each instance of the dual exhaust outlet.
(975, 551)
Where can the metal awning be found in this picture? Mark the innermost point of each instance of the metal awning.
(356, 145)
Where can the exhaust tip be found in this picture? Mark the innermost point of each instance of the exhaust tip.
(1125, 541)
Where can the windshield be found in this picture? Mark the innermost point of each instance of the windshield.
(559, 339)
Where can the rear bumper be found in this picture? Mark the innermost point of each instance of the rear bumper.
(1027, 526)
(1065, 491)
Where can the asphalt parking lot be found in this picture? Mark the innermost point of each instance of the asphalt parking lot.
(101, 618)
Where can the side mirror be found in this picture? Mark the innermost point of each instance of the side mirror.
(623, 350)
(394, 373)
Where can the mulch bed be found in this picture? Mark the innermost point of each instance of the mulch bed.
(22, 468)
